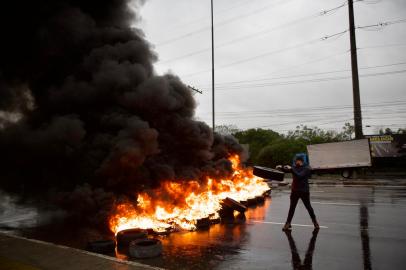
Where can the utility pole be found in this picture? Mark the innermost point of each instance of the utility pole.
(212, 67)
(355, 79)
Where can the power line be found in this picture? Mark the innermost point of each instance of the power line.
(308, 81)
(256, 34)
(306, 74)
(298, 123)
(224, 10)
(240, 39)
(292, 47)
(301, 116)
(260, 56)
(206, 28)
(399, 125)
(381, 24)
(319, 60)
(395, 109)
(310, 111)
(382, 46)
(306, 122)
(304, 63)
(369, 2)
(331, 114)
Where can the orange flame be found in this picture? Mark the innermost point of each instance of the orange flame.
(179, 205)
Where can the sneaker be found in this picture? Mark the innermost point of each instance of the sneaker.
(316, 225)
(287, 227)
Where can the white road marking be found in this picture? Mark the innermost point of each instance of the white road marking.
(346, 204)
(371, 186)
(280, 223)
(358, 204)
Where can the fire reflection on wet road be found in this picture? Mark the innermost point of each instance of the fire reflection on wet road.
(363, 228)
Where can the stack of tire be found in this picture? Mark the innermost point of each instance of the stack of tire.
(138, 244)
(133, 241)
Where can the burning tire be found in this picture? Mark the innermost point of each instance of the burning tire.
(233, 204)
(268, 193)
(145, 248)
(260, 199)
(203, 223)
(252, 201)
(102, 246)
(124, 237)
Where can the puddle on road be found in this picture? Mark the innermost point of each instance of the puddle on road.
(204, 249)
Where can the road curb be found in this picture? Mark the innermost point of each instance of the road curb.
(7, 237)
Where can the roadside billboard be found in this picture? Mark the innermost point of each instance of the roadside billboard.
(388, 146)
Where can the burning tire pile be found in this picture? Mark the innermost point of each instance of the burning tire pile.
(185, 206)
(178, 206)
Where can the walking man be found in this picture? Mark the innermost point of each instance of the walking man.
(300, 190)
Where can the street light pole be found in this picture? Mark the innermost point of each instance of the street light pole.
(212, 67)
(355, 78)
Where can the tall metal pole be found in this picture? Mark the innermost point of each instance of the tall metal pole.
(355, 79)
(212, 67)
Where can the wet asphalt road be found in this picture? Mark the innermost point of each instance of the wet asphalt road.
(364, 228)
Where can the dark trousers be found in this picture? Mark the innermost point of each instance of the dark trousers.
(294, 198)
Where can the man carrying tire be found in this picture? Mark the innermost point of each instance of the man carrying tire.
(300, 190)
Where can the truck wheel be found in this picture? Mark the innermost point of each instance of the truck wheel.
(145, 248)
(346, 173)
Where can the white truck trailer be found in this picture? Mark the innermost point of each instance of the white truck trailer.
(342, 157)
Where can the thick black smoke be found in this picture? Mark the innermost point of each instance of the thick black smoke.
(83, 116)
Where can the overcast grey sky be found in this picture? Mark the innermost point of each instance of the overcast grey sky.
(273, 68)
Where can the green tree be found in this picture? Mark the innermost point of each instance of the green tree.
(313, 135)
(401, 131)
(227, 129)
(386, 131)
(256, 139)
(348, 131)
(280, 152)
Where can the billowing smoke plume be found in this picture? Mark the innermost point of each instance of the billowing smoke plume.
(82, 114)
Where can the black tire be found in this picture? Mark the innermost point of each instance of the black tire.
(245, 203)
(233, 204)
(124, 237)
(145, 248)
(203, 223)
(102, 246)
(252, 202)
(226, 213)
(240, 218)
(268, 193)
